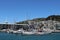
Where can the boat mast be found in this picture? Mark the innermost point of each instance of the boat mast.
(6, 23)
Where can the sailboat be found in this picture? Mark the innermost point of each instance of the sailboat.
(27, 32)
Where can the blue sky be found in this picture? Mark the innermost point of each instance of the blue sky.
(19, 10)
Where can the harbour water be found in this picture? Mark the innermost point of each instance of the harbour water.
(7, 36)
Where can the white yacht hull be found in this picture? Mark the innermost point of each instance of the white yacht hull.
(27, 33)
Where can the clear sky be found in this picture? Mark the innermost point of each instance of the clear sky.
(19, 10)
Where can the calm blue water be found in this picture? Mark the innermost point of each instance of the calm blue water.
(6, 36)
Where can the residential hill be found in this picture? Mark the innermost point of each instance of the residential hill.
(51, 17)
